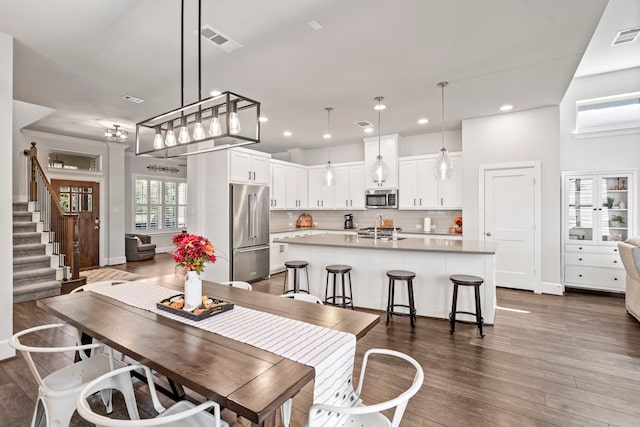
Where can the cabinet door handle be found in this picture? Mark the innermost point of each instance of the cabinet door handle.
(441, 201)
(615, 250)
(488, 233)
(615, 278)
(346, 202)
(580, 248)
(414, 201)
(322, 204)
(615, 261)
(579, 275)
(420, 201)
(249, 175)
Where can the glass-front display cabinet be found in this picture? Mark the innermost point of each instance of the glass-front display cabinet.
(598, 213)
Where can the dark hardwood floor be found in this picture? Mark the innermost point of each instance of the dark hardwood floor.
(548, 361)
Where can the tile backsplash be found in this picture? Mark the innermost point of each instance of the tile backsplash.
(406, 220)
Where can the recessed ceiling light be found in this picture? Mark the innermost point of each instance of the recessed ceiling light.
(423, 121)
(368, 130)
(287, 133)
(263, 119)
(506, 107)
(315, 25)
(215, 93)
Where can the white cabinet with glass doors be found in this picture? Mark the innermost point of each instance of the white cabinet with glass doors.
(598, 212)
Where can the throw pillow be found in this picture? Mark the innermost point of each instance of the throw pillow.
(138, 241)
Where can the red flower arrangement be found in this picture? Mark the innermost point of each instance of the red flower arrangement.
(193, 251)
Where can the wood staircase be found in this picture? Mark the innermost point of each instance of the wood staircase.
(35, 269)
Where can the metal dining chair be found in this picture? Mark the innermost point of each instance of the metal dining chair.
(360, 414)
(58, 391)
(303, 297)
(181, 414)
(238, 284)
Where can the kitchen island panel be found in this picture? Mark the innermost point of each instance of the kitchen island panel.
(433, 291)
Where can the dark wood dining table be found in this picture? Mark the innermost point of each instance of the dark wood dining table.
(247, 380)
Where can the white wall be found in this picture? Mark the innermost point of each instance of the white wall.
(6, 214)
(599, 151)
(523, 136)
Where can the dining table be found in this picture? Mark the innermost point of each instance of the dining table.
(244, 378)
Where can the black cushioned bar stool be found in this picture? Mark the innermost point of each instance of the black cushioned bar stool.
(296, 266)
(466, 280)
(334, 299)
(408, 277)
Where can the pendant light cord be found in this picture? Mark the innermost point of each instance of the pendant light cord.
(379, 110)
(442, 86)
(182, 55)
(199, 52)
(329, 133)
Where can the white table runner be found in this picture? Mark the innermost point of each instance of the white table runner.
(331, 353)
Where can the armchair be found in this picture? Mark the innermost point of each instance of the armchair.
(138, 247)
(630, 255)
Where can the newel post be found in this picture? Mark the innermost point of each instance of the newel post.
(32, 153)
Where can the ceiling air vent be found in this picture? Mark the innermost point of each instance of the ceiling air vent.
(219, 39)
(364, 124)
(626, 36)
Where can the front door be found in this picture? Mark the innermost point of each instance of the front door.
(510, 221)
(83, 198)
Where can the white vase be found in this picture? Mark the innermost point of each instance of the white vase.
(192, 291)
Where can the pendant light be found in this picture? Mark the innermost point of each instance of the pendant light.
(379, 171)
(444, 165)
(328, 175)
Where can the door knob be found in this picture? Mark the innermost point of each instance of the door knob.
(488, 233)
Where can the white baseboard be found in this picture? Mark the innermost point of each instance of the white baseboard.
(165, 249)
(550, 288)
(6, 351)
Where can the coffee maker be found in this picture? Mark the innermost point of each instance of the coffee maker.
(348, 221)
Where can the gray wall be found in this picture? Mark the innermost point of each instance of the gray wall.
(518, 137)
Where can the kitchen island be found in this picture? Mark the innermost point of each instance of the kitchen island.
(432, 259)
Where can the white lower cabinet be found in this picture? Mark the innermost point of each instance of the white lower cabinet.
(594, 267)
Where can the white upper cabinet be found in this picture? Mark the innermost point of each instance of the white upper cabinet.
(249, 167)
(320, 196)
(389, 153)
(296, 188)
(278, 186)
(288, 185)
(349, 189)
(419, 188)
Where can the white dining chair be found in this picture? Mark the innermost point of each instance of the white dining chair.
(239, 284)
(300, 296)
(58, 391)
(181, 414)
(371, 415)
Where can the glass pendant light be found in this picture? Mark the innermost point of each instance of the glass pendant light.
(214, 128)
(234, 121)
(158, 141)
(170, 139)
(198, 130)
(444, 165)
(328, 175)
(379, 171)
(183, 135)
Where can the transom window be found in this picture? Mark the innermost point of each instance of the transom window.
(160, 203)
(609, 113)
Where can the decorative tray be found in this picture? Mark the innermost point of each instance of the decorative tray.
(209, 307)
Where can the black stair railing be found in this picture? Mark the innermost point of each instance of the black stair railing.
(62, 227)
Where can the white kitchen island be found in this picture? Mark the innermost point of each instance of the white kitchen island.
(432, 259)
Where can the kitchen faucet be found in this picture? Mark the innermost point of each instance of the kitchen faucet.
(376, 220)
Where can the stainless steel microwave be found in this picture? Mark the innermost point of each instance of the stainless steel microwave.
(381, 199)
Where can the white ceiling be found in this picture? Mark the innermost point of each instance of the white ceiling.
(79, 57)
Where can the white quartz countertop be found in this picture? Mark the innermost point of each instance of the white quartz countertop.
(424, 244)
(354, 230)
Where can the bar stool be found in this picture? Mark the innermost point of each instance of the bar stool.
(296, 266)
(466, 280)
(346, 300)
(408, 277)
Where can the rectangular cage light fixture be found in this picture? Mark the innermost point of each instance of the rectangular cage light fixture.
(225, 121)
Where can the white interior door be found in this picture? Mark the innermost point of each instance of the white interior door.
(510, 221)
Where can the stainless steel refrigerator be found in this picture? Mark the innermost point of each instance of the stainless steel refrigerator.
(249, 232)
